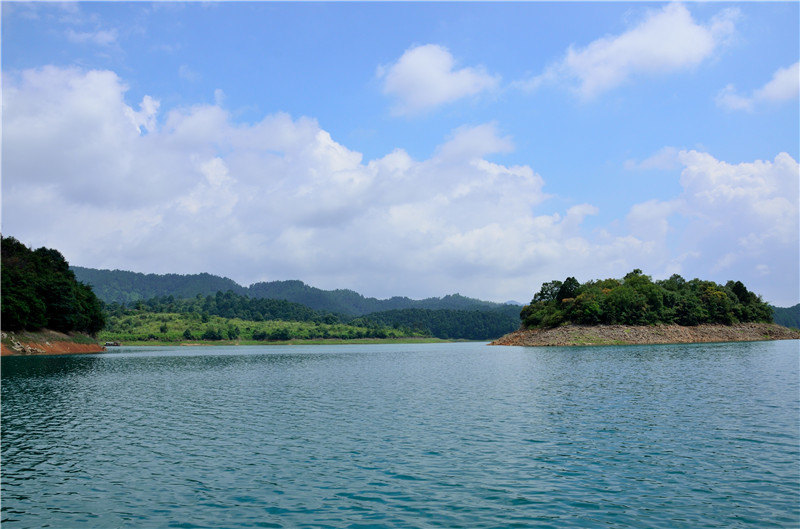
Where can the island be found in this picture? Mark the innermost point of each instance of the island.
(638, 310)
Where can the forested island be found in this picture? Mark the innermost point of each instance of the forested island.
(636, 309)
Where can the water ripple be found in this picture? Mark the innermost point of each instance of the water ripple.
(452, 435)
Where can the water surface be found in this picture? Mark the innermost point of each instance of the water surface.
(433, 435)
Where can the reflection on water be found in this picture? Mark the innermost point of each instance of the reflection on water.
(447, 435)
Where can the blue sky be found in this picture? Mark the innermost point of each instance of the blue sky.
(414, 149)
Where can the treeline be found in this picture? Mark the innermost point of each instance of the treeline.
(226, 305)
(39, 291)
(638, 300)
(447, 324)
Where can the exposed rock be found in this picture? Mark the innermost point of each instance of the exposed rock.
(655, 334)
(46, 342)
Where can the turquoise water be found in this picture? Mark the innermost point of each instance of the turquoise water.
(435, 435)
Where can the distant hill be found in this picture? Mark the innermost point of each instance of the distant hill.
(354, 304)
(129, 287)
(447, 323)
(788, 317)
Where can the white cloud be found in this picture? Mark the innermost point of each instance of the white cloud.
(666, 41)
(276, 199)
(665, 159)
(102, 37)
(784, 86)
(424, 78)
(729, 219)
(190, 190)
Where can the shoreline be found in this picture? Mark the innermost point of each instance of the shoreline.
(579, 335)
(47, 342)
(51, 343)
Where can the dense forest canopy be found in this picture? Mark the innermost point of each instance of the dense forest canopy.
(226, 305)
(129, 287)
(448, 324)
(788, 317)
(637, 300)
(119, 286)
(39, 291)
(439, 323)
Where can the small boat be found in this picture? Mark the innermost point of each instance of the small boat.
(111, 344)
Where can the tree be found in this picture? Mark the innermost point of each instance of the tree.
(568, 289)
(39, 290)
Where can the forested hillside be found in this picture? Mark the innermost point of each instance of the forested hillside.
(39, 291)
(439, 323)
(637, 300)
(227, 305)
(352, 303)
(128, 287)
(788, 317)
(448, 324)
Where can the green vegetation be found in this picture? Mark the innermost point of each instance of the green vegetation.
(140, 326)
(448, 324)
(228, 305)
(637, 300)
(116, 286)
(449, 317)
(39, 291)
(788, 317)
(443, 323)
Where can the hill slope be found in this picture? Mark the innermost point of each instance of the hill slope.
(128, 287)
(788, 317)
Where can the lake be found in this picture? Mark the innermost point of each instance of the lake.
(431, 435)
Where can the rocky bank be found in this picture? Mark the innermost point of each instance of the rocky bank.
(655, 334)
(47, 342)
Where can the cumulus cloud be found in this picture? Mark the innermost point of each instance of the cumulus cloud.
(190, 190)
(666, 41)
(135, 186)
(424, 77)
(784, 86)
(730, 220)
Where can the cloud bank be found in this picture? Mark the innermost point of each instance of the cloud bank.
(191, 190)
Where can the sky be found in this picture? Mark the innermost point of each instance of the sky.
(408, 149)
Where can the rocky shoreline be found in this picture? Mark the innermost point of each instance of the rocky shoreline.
(645, 335)
(47, 342)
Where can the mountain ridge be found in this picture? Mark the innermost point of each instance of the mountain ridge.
(125, 287)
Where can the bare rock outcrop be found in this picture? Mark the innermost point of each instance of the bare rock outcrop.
(653, 334)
